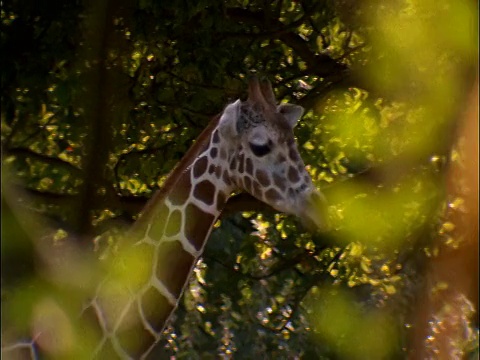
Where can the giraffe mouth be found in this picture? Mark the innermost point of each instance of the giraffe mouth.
(314, 216)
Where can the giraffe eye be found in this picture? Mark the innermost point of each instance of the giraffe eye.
(261, 150)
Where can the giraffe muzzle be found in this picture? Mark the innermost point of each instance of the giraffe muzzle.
(314, 216)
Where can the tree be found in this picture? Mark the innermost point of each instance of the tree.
(100, 101)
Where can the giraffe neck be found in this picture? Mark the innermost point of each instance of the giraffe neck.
(146, 279)
(168, 239)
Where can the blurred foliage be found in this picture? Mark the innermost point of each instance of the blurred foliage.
(100, 101)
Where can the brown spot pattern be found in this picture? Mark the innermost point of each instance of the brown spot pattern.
(173, 266)
(215, 137)
(226, 178)
(198, 225)
(257, 190)
(291, 193)
(240, 163)
(293, 174)
(205, 192)
(262, 178)
(241, 167)
(247, 183)
(218, 172)
(174, 223)
(233, 163)
(280, 182)
(249, 166)
(158, 224)
(293, 154)
(213, 152)
(155, 308)
(200, 166)
(272, 195)
(181, 190)
(211, 169)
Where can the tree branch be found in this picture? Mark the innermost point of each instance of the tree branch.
(320, 64)
(51, 160)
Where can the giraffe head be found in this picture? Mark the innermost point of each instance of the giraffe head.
(258, 144)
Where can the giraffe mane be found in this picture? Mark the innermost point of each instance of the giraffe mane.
(187, 159)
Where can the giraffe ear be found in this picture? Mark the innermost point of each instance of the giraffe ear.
(228, 121)
(292, 113)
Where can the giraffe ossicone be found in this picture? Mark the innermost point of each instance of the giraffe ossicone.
(250, 147)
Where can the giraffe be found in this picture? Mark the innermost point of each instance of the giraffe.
(249, 147)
